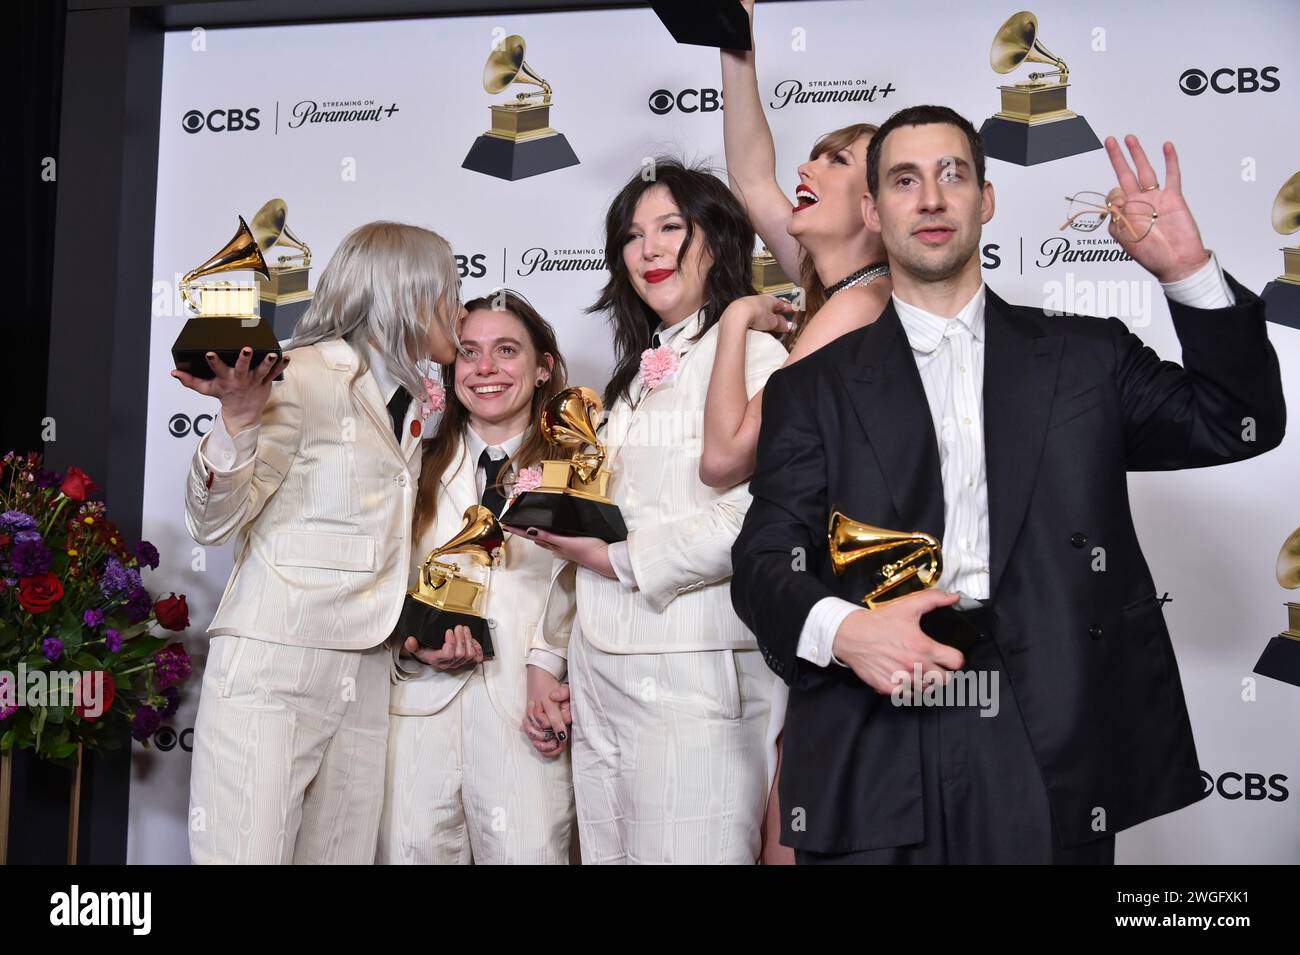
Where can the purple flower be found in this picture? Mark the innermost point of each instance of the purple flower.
(112, 640)
(16, 521)
(139, 605)
(48, 478)
(93, 617)
(7, 705)
(30, 559)
(52, 647)
(172, 665)
(173, 698)
(27, 536)
(147, 554)
(145, 722)
(114, 578)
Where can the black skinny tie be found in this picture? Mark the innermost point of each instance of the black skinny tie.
(492, 499)
(397, 406)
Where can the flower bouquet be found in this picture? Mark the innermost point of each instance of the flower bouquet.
(79, 660)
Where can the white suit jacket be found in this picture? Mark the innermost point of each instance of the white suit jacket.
(322, 512)
(514, 602)
(680, 531)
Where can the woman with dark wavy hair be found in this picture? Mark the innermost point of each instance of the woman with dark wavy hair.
(669, 694)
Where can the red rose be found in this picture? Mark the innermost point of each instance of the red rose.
(4, 540)
(39, 594)
(77, 485)
(91, 700)
(172, 612)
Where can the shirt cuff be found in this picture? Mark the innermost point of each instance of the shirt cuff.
(621, 561)
(819, 629)
(552, 663)
(222, 453)
(1204, 288)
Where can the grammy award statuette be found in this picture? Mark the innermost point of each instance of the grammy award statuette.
(573, 496)
(1034, 124)
(224, 315)
(1282, 295)
(444, 597)
(521, 142)
(1281, 657)
(898, 563)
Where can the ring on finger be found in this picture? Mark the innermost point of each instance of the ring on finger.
(1151, 187)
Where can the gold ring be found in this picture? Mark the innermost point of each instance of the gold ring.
(1149, 188)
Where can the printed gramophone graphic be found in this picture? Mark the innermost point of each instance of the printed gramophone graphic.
(770, 278)
(1281, 658)
(444, 597)
(1034, 124)
(573, 496)
(1282, 295)
(283, 293)
(224, 315)
(897, 563)
(521, 142)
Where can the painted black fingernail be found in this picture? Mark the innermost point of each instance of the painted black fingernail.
(532, 532)
(561, 736)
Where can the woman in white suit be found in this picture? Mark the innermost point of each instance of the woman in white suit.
(315, 476)
(464, 784)
(670, 693)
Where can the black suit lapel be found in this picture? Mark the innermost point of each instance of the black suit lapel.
(889, 400)
(1020, 369)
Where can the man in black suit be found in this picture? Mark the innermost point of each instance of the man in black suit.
(1007, 434)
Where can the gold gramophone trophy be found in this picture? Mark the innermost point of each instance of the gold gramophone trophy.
(1034, 124)
(521, 142)
(1282, 295)
(1281, 658)
(444, 597)
(224, 317)
(770, 278)
(897, 563)
(284, 294)
(573, 497)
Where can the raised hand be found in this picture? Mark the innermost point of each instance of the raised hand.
(242, 391)
(1172, 250)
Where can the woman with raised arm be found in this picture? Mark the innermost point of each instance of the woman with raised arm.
(821, 238)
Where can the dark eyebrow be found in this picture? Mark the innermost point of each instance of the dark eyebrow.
(913, 167)
(495, 341)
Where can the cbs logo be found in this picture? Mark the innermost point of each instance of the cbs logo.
(181, 424)
(1249, 786)
(221, 120)
(1242, 79)
(687, 101)
(472, 266)
(167, 739)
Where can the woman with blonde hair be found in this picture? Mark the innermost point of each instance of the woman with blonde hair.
(315, 476)
(472, 774)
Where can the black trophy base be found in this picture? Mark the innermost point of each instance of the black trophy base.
(1027, 145)
(283, 316)
(567, 514)
(226, 337)
(1282, 303)
(959, 630)
(507, 159)
(1281, 660)
(429, 626)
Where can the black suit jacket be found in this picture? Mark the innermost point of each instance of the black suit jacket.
(1070, 405)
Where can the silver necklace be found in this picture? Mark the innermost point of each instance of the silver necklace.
(862, 276)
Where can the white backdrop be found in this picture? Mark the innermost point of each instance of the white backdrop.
(1210, 536)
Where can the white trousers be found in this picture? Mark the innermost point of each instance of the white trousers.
(669, 754)
(289, 746)
(465, 786)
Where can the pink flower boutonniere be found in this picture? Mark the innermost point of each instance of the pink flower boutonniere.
(657, 365)
(435, 398)
(529, 479)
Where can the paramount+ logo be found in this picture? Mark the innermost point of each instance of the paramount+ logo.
(685, 101)
(222, 120)
(1240, 79)
(1251, 787)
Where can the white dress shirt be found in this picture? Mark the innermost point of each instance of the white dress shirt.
(619, 558)
(949, 354)
(227, 453)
